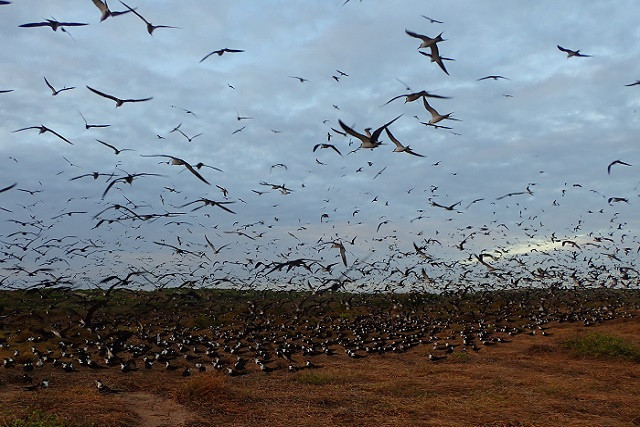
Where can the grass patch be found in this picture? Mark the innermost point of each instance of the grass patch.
(36, 419)
(317, 378)
(598, 345)
(203, 389)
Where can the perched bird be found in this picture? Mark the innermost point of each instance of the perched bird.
(571, 53)
(150, 26)
(220, 52)
(119, 102)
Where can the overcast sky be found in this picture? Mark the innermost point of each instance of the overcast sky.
(533, 146)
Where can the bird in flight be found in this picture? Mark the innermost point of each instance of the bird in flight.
(128, 179)
(6, 90)
(431, 20)
(53, 24)
(176, 161)
(492, 77)
(119, 102)
(399, 147)
(324, 145)
(301, 79)
(220, 52)
(369, 140)
(571, 53)
(43, 129)
(54, 92)
(116, 150)
(435, 57)
(88, 126)
(637, 82)
(435, 116)
(426, 40)
(410, 97)
(616, 162)
(150, 26)
(106, 12)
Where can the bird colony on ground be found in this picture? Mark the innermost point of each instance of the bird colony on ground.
(308, 146)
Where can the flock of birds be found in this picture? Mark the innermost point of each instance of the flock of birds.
(175, 238)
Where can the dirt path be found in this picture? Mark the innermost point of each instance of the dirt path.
(156, 411)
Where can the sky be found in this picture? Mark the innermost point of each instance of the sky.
(524, 165)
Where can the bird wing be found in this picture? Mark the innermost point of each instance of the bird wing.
(49, 84)
(59, 136)
(418, 36)
(105, 95)
(352, 132)
(136, 13)
(108, 145)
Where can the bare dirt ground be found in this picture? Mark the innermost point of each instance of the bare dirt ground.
(531, 381)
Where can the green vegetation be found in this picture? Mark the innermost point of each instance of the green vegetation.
(598, 345)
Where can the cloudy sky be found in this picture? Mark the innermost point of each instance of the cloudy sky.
(526, 158)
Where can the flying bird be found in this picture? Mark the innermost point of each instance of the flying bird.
(571, 53)
(106, 12)
(435, 57)
(116, 150)
(435, 116)
(637, 82)
(616, 162)
(431, 20)
(150, 26)
(119, 102)
(220, 52)
(179, 162)
(53, 24)
(399, 147)
(302, 80)
(88, 126)
(370, 140)
(128, 179)
(324, 145)
(410, 97)
(54, 92)
(44, 129)
(426, 40)
(492, 77)
(6, 90)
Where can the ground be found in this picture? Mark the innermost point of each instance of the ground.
(530, 379)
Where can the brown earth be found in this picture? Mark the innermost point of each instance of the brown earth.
(532, 381)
